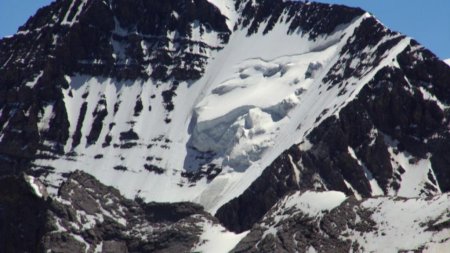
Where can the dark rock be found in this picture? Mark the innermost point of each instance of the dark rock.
(77, 135)
(114, 247)
(278, 179)
(22, 216)
(99, 114)
(120, 167)
(167, 98)
(63, 243)
(124, 224)
(154, 168)
(128, 145)
(162, 212)
(129, 135)
(99, 156)
(310, 21)
(138, 107)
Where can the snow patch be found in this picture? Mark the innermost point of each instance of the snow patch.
(313, 203)
(309, 203)
(447, 61)
(415, 174)
(80, 7)
(38, 187)
(216, 238)
(401, 225)
(32, 83)
(45, 116)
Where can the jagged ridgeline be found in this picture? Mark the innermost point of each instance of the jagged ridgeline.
(220, 125)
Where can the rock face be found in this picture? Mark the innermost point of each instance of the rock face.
(241, 213)
(139, 126)
(87, 216)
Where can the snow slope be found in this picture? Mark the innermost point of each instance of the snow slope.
(238, 117)
(216, 238)
(403, 224)
(228, 113)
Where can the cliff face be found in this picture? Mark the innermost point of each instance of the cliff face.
(222, 108)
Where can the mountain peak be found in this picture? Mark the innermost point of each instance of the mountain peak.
(241, 107)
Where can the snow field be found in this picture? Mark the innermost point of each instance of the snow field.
(216, 238)
(244, 111)
(401, 224)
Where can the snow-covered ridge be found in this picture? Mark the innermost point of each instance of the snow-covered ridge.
(312, 204)
(447, 61)
(330, 221)
(406, 224)
(227, 9)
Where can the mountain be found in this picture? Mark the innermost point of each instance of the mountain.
(234, 125)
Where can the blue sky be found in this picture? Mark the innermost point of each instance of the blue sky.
(426, 21)
(14, 13)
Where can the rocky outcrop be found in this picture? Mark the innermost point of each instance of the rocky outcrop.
(307, 222)
(276, 181)
(87, 216)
